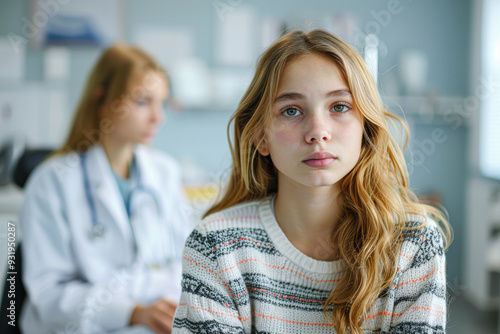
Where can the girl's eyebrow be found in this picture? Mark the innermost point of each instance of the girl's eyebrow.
(298, 96)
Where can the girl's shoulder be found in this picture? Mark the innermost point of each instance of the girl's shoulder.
(236, 233)
(422, 241)
(240, 216)
(421, 228)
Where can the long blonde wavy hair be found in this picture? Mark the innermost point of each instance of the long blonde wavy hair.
(109, 83)
(375, 195)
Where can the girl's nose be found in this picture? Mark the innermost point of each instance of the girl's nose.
(317, 129)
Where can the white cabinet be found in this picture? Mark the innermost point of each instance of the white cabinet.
(34, 112)
(20, 113)
(482, 262)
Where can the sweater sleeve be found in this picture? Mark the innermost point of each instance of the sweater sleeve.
(420, 304)
(206, 304)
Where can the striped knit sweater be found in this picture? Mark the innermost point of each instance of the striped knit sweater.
(242, 275)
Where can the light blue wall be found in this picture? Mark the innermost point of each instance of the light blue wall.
(444, 170)
(439, 28)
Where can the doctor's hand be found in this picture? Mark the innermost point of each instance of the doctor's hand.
(159, 316)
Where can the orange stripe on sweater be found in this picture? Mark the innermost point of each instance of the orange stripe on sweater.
(239, 295)
(263, 316)
(418, 279)
(426, 309)
(280, 268)
(385, 314)
(409, 257)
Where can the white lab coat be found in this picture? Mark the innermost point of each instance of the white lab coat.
(78, 285)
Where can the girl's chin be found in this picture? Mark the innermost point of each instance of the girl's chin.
(322, 182)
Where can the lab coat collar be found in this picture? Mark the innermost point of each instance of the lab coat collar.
(103, 183)
(150, 175)
(104, 188)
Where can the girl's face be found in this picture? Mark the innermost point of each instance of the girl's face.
(136, 116)
(315, 135)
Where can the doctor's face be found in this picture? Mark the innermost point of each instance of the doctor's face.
(139, 113)
(316, 131)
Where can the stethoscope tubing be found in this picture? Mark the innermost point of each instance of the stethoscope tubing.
(88, 193)
(97, 228)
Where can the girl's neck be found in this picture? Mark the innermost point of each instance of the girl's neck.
(119, 155)
(309, 217)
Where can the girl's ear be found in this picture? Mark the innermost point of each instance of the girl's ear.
(261, 142)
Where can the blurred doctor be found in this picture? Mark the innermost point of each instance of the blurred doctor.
(104, 220)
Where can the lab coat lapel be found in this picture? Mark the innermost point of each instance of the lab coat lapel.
(149, 227)
(150, 175)
(105, 189)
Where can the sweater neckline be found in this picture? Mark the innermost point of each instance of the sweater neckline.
(285, 247)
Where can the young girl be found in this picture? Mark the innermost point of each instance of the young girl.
(103, 220)
(318, 231)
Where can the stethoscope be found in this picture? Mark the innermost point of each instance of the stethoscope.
(98, 230)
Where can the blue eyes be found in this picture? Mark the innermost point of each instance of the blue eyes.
(293, 112)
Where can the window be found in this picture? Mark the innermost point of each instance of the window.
(489, 127)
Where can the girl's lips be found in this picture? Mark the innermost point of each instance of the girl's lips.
(319, 159)
(320, 155)
(319, 162)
